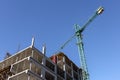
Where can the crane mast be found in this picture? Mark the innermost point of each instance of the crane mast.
(78, 33)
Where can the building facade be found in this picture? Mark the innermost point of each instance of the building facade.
(32, 64)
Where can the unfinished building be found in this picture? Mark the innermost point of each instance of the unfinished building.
(32, 64)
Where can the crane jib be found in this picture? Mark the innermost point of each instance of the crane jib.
(78, 34)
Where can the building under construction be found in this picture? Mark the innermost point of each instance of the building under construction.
(32, 64)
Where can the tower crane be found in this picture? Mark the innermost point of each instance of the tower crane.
(78, 34)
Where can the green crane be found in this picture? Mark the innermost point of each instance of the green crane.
(78, 34)
(85, 74)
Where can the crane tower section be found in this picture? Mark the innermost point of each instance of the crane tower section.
(78, 34)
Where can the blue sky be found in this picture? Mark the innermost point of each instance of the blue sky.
(52, 22)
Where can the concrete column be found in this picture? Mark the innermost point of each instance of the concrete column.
(44, 60)
(72, 71)
(64, 66)
(55, 77)
(30, 65)
(28, 77)
(32, 53)
(43, 73)
(55, 69)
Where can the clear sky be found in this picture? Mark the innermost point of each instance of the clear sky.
(52, 22)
